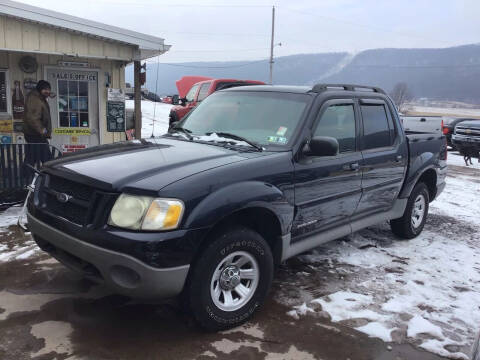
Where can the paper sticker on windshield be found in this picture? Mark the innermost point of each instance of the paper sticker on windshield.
(282, 130)
(277, 140)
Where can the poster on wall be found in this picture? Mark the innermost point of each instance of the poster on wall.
(18, 126)
(115, 110)
(5, 139)
(18, 101)
(6, 126)
(29, 84)
(115, 116)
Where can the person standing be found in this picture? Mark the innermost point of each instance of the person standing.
(37, 124)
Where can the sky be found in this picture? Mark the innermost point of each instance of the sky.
(209, 30)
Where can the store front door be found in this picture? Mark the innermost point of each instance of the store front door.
(74, 110)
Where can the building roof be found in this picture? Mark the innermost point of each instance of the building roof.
(148, 45)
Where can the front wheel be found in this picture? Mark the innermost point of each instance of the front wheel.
(413, 220)
(231, 279)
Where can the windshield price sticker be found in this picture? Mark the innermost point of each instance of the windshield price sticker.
(277, 140)
(282, 130)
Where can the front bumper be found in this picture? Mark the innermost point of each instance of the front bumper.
(466, 141)
(122, 273)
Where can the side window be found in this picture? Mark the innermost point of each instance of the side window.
(376, 129)
(202, 94)
(338, 121)
(191, 93)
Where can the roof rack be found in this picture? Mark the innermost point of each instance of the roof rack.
(347, 87)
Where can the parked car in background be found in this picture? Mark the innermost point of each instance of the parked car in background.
(253, 176)
(169, 99)
(449, 128)
(466, 137)
(199, 91)
(432, 124)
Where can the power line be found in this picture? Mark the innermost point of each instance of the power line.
(215, 67)
(371, 27)
(223, 50)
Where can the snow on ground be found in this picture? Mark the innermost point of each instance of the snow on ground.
(10, 248)
(454, 158)
(425, 291)
(154, 117)
(445, 111)
(9, 217)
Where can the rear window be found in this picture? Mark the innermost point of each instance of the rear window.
(378, 129)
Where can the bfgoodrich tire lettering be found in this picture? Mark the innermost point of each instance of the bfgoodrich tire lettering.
(230, 245)
(411, 224)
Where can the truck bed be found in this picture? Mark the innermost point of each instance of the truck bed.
(425, 150)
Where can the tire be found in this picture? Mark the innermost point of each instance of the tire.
(411, 224)
(219, 296)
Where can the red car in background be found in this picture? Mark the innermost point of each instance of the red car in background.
(200, 91)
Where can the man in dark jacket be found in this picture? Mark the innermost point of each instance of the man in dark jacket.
(37, 124)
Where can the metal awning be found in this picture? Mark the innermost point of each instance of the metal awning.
(148, 46)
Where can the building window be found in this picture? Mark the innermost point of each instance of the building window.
(73, 103)
(4, 108)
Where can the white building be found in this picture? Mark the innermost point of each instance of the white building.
(81, 59)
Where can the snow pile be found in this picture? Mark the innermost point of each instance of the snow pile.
(20, 250)
(9, 217)
(154, 117)
(425, 291)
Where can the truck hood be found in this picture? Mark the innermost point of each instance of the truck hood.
(186, 82)
(142, 166)
(472, 124)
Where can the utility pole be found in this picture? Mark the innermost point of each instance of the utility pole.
(137, 99)
(272, 44)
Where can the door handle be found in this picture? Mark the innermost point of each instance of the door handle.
(398, 158)
(354, 166)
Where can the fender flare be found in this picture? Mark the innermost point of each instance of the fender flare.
(420, 170)
(240, 196)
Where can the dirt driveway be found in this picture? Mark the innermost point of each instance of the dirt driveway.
(48, 312)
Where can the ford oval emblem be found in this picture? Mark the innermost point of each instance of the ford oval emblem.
(63, 198)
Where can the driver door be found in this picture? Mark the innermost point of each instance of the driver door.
(328, 188)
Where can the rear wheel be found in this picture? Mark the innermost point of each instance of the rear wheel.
(413, 220)
(231, 279)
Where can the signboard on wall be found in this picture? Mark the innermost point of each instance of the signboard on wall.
(115, 116)
(68, 148)
(115, 110)
(73, 75)
(6, 125)
(71, 131)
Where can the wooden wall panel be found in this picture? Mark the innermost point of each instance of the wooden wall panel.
(13, 34)
(30, 36)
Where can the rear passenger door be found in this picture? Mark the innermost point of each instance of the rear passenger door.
(385, 155)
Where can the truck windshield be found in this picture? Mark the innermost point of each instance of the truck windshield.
(265, 118)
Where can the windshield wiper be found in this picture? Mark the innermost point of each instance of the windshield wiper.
(237, 137)
(183, 131)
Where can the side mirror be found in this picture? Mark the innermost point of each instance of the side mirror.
(183, 101)
(322, 146)
(173, 125)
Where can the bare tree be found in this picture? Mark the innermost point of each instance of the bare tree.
(401, 95)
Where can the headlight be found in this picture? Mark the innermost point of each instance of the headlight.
(146, 213)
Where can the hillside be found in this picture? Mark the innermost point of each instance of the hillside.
(443, 74)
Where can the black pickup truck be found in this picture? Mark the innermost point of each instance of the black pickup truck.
(253, 176)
